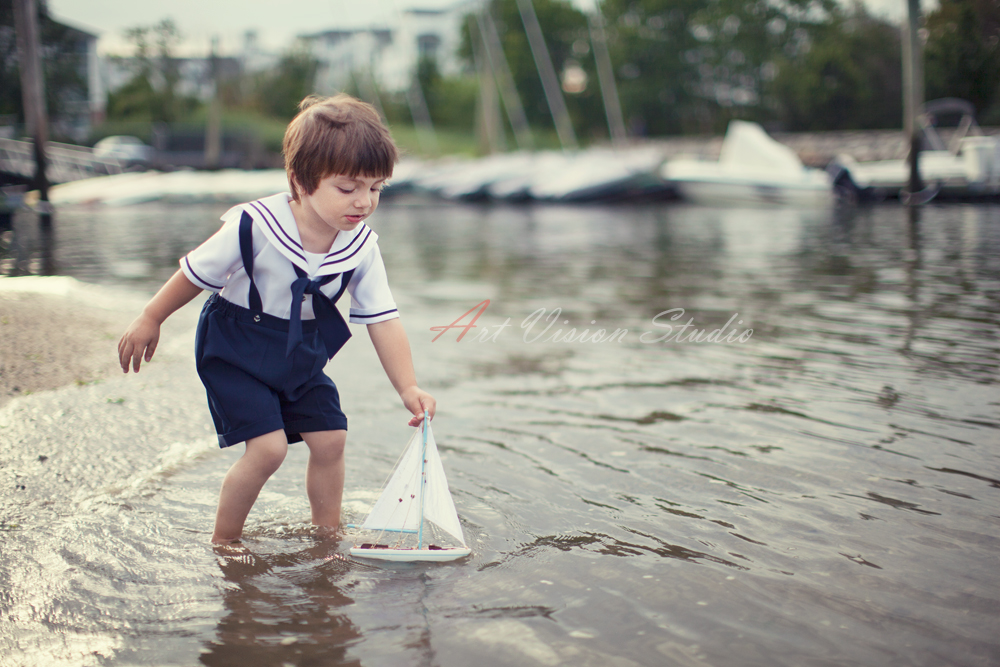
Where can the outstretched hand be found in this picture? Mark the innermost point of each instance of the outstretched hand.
(138, 343)
(416, 401)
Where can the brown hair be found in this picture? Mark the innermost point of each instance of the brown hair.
(336, 135)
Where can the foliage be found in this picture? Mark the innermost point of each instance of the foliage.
(276, 93)
(693, 65)
(962, 56)
(151, 94)
(63, 61)
(567, 38)
(450, 142)
(656, 59)
(450, 100)
(849, 78)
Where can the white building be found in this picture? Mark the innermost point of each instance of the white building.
(388, 55)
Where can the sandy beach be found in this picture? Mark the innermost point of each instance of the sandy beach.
(48, 341)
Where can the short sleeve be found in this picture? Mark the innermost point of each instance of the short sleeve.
(209, 265)
(371, 300)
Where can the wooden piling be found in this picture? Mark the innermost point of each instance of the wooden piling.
(33, 98)
(913, 92)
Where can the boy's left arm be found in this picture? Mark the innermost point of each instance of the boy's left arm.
(393, 348)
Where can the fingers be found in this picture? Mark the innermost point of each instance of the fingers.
(427, 403)
(124, 354)
(131, 354)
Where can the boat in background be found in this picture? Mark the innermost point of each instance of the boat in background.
(967, 166)
(183, 185)
(752, 168)
(602, 174)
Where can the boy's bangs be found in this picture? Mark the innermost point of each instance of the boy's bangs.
(360, 153)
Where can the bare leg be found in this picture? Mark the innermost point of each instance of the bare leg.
(325, 476)
(243, 483)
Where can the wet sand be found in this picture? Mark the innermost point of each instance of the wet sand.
(48, 341)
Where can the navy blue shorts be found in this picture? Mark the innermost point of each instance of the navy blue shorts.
(253, 388)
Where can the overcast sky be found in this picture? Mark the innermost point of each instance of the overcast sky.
(276, 26)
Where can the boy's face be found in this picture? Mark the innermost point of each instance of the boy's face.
(341, 202)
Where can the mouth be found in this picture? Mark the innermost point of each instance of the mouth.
(354, 219)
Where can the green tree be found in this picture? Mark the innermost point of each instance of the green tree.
(850, 76)
(692, 65)
(278, 91)
(450, 100)
(658, 60)
(962, 55)
(64, 63)
(151, 93)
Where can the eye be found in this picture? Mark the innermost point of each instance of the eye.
(345, 190)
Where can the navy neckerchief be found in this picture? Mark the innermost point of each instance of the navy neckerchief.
(332, 327)
(330, 322)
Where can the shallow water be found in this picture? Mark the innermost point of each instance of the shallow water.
(823, 493)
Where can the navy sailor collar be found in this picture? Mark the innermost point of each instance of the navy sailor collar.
(273, 216)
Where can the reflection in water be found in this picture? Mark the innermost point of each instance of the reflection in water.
(282, 607)
(823, 493)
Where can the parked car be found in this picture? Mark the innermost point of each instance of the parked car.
(127, 150)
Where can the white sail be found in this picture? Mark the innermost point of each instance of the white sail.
(399, 505)
(438, 505)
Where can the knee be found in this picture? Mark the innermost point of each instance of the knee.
(326, 447)
(267, 454)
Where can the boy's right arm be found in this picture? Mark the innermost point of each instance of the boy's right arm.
(140, 339)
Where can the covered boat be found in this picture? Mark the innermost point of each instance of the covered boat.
(966, 166)
(752, 168)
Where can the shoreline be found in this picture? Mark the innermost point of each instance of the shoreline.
(49, 341)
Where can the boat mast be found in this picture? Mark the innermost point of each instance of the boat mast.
(550, 82)
(423, 481)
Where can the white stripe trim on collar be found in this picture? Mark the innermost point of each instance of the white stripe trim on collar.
(274, 217)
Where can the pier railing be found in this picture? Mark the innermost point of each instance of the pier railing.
(66, 162)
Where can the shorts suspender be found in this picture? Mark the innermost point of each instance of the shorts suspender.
(246, 250)
(331, 323)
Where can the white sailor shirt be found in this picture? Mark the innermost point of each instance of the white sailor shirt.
(216, 265)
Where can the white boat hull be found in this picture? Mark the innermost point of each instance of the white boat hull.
(974, 170)
(412, 555)
(760, 194)
(752, 169)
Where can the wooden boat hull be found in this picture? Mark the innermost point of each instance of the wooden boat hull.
(412, 555)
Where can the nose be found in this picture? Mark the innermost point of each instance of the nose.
(364, 199)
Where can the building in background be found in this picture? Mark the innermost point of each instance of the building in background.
(75, 97)
(386, 56)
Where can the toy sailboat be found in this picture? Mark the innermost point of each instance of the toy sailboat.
(415, 507)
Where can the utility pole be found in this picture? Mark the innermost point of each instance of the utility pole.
(33, 97)
(913, 92)
(550, 82)
(213, 124)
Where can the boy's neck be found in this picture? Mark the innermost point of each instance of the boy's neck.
(316, 237)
